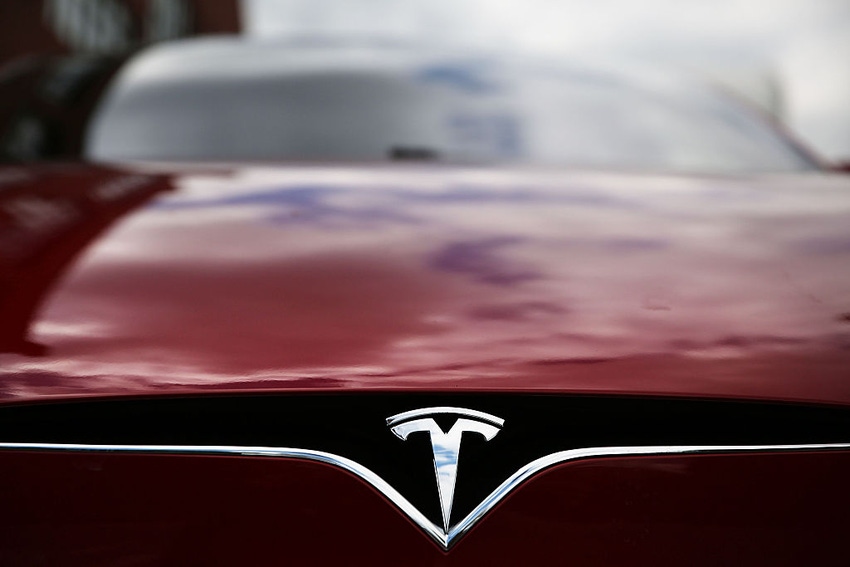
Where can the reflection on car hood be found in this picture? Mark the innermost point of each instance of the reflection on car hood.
(446, 278)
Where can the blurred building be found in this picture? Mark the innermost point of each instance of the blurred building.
(58, 56)
(107, 27)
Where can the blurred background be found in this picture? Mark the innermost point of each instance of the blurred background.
(790, 57)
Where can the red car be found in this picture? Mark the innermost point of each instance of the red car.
(285, 285)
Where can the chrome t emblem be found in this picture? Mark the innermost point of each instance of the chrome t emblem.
(446, 445)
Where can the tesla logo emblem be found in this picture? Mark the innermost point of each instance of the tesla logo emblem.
(445, 444)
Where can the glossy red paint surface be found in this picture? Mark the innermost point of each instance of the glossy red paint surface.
(425, 278)
(754, 510)
(118, 282)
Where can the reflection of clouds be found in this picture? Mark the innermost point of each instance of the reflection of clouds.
(259, 315)
(205, 297)
(304, 204)
(71, 329)
(481, 260)
(21, 377)
(838, 245)
(522, 311)
(445, 458)
(311, 204)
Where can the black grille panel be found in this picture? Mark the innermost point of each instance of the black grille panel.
(354, 426)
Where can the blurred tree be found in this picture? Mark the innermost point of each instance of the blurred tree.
(107, 27)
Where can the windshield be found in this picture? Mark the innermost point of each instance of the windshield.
(238, 100)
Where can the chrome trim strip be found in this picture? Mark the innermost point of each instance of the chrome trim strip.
(549, 461)
(445, 540)
(426, 412)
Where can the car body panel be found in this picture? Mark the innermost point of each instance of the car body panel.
(769, 509)
(195, 283)
(428, 278)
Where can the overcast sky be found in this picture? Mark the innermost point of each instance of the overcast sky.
(803, 44)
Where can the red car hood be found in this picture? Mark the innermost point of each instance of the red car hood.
(430, 278)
